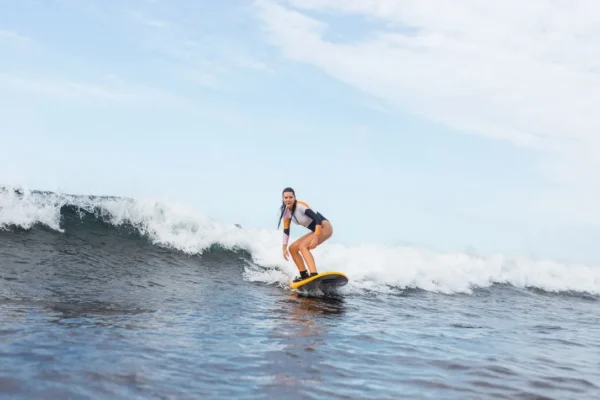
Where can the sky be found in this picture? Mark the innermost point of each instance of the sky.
(458, 125)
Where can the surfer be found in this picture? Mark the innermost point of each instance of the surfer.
(302, 214)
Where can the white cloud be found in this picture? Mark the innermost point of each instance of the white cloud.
(85, 92)
(525, 72)
(13, 37)
(205, 56)
(153, 22)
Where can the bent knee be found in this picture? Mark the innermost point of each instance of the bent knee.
(303, 247)
(294, 248)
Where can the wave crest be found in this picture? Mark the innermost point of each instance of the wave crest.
(371, 267)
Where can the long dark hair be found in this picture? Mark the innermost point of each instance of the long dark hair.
(282, 208)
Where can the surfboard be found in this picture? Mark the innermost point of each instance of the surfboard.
(325, 282)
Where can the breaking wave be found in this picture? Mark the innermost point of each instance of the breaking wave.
(371, 267)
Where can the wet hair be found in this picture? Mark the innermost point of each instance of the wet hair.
(282, 208)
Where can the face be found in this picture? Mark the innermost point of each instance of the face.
(288, 198)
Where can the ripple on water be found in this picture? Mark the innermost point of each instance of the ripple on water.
(126, 321)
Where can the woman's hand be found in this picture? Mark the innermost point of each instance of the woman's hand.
(286, 253)
(314, 242)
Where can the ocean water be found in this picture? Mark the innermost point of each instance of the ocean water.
(112, 298)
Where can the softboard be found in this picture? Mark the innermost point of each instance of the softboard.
(325, 282)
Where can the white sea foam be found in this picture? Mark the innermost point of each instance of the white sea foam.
(373, 268)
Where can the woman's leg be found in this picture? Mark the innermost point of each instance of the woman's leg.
(294, 250)
(304, 242)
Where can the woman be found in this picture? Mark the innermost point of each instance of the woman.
(302, 214)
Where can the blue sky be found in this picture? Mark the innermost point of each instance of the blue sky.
(400, 121)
